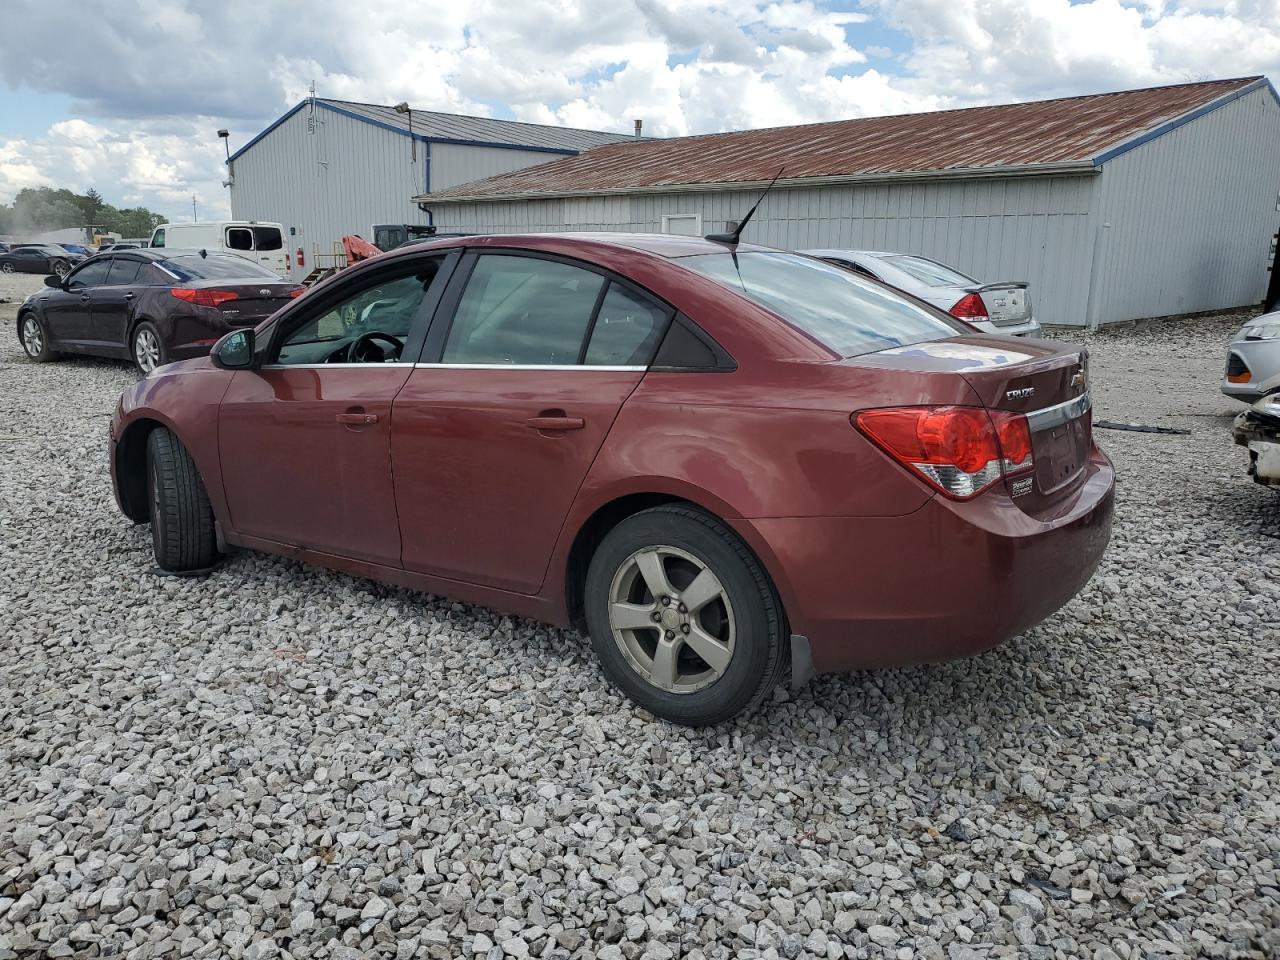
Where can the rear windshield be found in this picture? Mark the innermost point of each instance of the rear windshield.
(838, 308)
(930, 273)
(215, 267)
(267, 238)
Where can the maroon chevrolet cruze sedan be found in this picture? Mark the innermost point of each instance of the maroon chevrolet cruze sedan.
(721, 461)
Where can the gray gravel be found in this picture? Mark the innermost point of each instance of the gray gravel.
(277, 761)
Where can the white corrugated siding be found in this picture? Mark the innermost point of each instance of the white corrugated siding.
(1191, 215)
(1029, 228)
(342, 179)
(452, 164)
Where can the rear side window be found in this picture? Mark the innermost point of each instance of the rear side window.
(157, 239)
(626, 331)
(123, 272)
(239, 238)
(267, 238)
(215, 267)
(523, 310)
(834, 306)
(929, 272)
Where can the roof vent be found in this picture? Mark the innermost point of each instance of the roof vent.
(639, 124)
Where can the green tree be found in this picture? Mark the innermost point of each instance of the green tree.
(92, 206)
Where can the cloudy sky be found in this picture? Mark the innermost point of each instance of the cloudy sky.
(126, 95)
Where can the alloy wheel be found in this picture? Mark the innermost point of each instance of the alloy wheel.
(672, 619)
(32, 337)
(146, 350)
(6, 267)
(61, 270)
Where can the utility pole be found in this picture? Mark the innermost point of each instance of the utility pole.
(194, 218)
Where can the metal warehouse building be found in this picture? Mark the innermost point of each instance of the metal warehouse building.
(1141, 203)
(328, 168)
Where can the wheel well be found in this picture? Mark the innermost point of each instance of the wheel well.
(131, 468)
(597, 528)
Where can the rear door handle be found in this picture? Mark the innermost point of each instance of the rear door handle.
(358, 419)
(128, 296)
(556, 423)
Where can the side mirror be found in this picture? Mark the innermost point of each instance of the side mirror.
(235, 351)
(55, 281)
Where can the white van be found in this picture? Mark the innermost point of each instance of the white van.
(255, 240)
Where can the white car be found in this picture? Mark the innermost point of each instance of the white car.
(1253, 360)
(1003, 307)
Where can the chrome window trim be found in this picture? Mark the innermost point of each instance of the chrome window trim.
(1055, 416)
(531, 366)
(332, 366)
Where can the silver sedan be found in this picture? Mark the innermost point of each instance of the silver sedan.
(991, 307)
(1253, 359)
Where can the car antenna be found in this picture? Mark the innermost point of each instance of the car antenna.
(733, 236)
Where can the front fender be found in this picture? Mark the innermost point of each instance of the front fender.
(183, 397)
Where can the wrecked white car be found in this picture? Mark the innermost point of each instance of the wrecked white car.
(1258, 428)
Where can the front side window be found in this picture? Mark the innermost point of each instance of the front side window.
(239, 238)
(523, 311)
(375, 321)
(157, 240)
(90, 275)
(848, 314)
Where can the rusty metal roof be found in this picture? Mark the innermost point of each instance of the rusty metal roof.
(1018, 137)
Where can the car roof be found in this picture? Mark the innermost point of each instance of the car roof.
(878, 254)
(666, 245)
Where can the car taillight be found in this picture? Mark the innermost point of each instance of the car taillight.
(959, 450)
(969, 307)
(288, 261)
(204, 298)
(297, 291)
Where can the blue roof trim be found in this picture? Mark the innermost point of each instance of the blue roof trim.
(1171, 125)
(287, 115)
(421, 138)
(559, 151)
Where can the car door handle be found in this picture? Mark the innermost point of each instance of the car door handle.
(128, 296)
(84, 298)
(556, 423)
(358, 419)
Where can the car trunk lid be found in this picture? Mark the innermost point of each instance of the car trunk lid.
(254, 300)
(1008, 304)
(1047, 383)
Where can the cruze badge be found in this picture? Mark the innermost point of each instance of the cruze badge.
(1022, 393)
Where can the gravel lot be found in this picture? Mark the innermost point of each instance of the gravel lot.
(279, 761)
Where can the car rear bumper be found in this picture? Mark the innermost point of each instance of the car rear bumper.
(949, 580)
(1026, 328)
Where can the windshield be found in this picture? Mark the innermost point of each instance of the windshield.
(930, 273)
(215, 267)
(842, 310)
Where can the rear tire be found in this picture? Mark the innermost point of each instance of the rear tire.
(6, 268)
(35, 339)
(182, 534)
(147, 348)
(61, 268)
(658, 661)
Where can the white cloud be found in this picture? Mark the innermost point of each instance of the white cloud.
(153, 80)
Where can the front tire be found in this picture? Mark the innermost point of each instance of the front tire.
(147, 348)
(6, 268)
(182, 534)
(683, 618)
(35, 339)
(61, 268)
